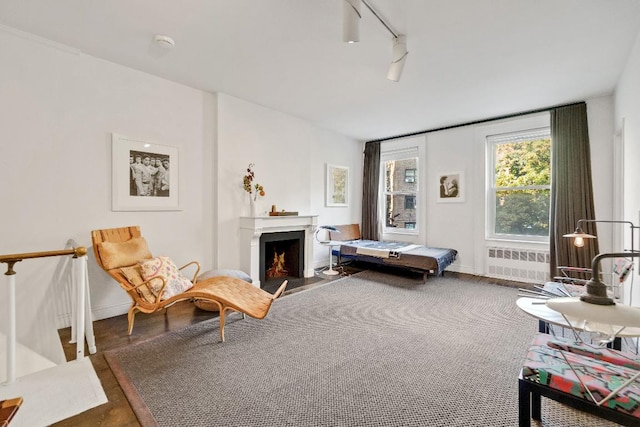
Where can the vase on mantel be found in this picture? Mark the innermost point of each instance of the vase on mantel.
(253, 210)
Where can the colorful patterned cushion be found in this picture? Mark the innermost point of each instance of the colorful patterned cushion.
(134, 277)
(546, 365)
(162, 266)
(616, 357)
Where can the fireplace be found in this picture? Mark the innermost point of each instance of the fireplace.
(281, 256)
(253, 228)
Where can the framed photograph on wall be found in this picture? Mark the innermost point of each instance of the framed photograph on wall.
(337, 185)
(451, 187)
(145, 176)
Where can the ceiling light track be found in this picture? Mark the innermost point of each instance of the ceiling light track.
(377, 15)
(351, 34)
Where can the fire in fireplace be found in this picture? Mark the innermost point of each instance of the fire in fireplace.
(277, 268)
(281, 255)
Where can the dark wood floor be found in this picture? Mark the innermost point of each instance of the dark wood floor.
(112, 333)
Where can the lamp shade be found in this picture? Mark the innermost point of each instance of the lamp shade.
(617, 314)
(351, 20)
(399, 57)
(325, 227)
(578, 235)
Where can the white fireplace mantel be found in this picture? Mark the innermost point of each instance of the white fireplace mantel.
(251, 228)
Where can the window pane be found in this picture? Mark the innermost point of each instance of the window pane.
(409, 202)
(524, 163)
(395, 176)
(401, 187)
(522, 212)
(397, 215)
(410, 175)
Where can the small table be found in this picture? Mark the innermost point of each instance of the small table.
(331, 244)
(537, 308)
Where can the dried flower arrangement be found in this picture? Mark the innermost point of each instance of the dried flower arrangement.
(254, 189)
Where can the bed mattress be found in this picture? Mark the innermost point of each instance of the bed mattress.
(399, 254)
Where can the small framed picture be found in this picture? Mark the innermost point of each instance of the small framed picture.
(145, 176)
(337, 185)
(451, 187)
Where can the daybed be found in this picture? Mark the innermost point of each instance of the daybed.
(424, 259)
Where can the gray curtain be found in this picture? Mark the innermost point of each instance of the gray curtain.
(571, 188)
(371, 179)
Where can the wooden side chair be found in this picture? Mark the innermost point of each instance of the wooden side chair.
(154, 283)
(8, 409)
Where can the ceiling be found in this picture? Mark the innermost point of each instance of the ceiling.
(468, 59)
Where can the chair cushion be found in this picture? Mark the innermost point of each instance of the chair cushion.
(616, 357)
(226, 272)
(122, 254)
(134, 276)
(211, 306)
(164, 267)
(547, 366)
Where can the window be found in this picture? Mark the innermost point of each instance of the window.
(410, 175)
(409, 202)
(520, 177)
(400, 188)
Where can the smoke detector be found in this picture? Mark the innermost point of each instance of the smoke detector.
(164, 41)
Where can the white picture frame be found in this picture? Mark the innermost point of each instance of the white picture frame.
(451, 187)
(148, 188)
(337, 186)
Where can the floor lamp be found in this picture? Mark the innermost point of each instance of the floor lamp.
(330, 244)
(596, 291)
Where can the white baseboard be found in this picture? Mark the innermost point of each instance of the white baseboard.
(99, 313)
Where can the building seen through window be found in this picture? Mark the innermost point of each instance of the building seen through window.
(401, 187)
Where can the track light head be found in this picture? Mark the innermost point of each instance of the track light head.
(351, 20)
(399, 56)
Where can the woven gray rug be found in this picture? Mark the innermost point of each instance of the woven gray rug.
(368, 350)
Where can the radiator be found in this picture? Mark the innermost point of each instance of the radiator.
(522, 265)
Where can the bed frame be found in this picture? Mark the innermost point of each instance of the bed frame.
(418, 258)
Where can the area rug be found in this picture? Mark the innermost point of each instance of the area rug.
(369, 349)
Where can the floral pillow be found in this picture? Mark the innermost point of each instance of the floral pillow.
(162, 266)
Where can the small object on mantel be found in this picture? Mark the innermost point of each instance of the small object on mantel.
(282, 213)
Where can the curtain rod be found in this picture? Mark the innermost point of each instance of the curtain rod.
(476, 122)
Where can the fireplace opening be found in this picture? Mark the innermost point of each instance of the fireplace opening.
(281, 257)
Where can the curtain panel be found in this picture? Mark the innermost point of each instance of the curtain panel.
(371, 180)
(571, 188)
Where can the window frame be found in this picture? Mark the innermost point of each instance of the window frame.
(400, 153)
(502, 137)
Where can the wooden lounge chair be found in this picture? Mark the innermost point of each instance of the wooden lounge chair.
(123, 253)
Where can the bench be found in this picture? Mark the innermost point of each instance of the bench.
(558, 368)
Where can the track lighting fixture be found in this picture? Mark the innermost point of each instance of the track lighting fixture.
(351, 33)
(351, 20)
(398, 57)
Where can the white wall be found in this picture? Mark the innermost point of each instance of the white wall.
(290, 157)
(627, 122)
(58, 108)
